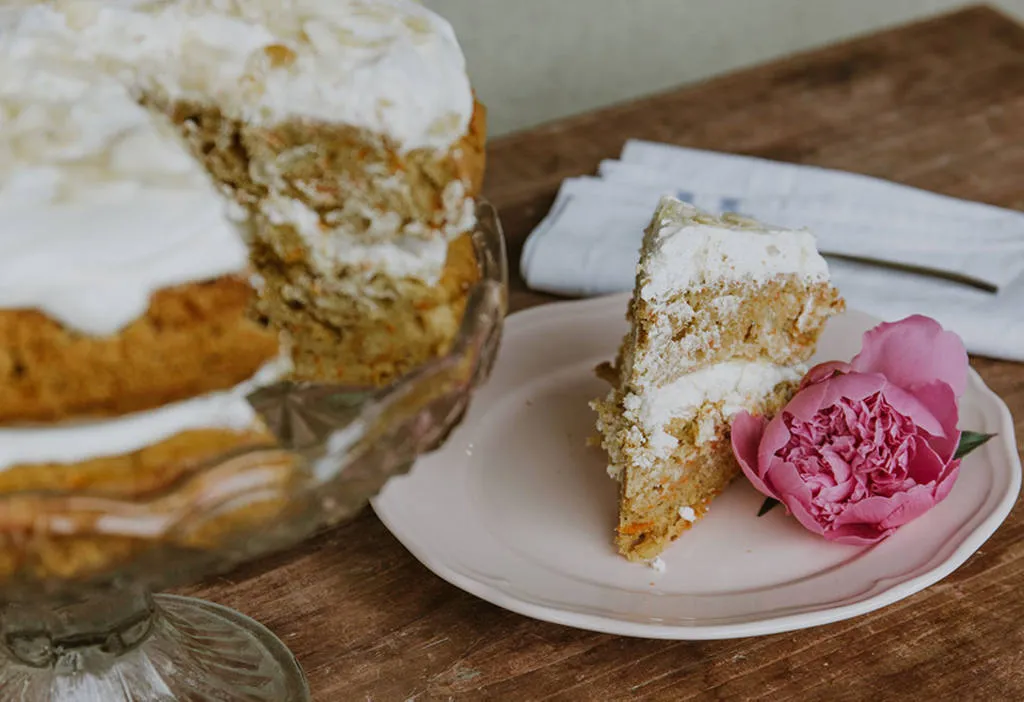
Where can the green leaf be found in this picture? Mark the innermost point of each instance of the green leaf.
(767, 506)
(970, 440)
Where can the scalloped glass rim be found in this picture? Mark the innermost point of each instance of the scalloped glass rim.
(337, 446)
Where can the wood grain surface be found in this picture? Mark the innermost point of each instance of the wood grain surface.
(939, 105)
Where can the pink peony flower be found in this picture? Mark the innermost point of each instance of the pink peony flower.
(864, 447)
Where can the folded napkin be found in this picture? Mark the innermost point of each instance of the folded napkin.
(893, 250)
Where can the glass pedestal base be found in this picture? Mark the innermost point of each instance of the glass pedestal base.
(133, 647)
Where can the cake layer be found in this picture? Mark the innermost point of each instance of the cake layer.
(344, 200)
(712, 288)
(661, 498)
(83, 440)
(777, 319)
(647, 527)
(193, 339)
(41, 539)
(135, 472)
(366, 340)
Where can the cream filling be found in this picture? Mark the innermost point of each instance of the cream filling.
(412, 252)
(74, 442)
(731, 386)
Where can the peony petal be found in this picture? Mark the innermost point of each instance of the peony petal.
(806, 403)
(884, 513)
(785, 480)
(823, 372)
(838, 492)
(940, 400)
(853, 386)
(747, 431)
(806, 519)
(840, 468)
(909, 406)
(926, 467)
(947, 480)
(914, 351)
(870, 510)
(909, 506)
(776, 435)
(858, 535)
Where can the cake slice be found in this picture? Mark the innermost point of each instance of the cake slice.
(724, 315)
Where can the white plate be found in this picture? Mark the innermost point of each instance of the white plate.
(518, 510)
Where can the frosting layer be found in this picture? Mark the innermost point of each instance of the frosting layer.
(331, 249)
(390, 66)
(101, 205)
(689, 248)
(74, 442)
(730, 386)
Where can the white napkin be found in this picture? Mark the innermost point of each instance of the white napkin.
(589, 242)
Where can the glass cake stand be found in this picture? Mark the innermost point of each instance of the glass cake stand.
(78, 571)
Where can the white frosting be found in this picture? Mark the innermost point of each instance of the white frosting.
(391, 66)
(74, 442)
(657, 564)
(685, 248)
(733, 385)
(332, 248)
(100, 204)
(688, 514)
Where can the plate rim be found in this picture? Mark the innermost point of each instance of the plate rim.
(760, 627)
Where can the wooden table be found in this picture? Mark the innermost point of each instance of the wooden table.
(940, 105)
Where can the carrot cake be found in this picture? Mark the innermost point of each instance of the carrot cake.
(724, 315)
(200, 197)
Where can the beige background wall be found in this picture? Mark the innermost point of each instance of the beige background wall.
(535, 60)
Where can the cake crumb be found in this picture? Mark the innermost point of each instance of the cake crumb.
(280, 56)
(657, 564)
(688, 514)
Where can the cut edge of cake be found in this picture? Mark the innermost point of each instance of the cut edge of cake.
(724, 315)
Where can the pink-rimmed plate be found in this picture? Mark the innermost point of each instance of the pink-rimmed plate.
(519, 511)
